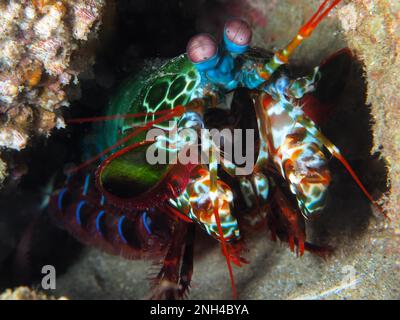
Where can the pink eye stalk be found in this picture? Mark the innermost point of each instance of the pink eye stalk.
(238, 31)
(201, 48)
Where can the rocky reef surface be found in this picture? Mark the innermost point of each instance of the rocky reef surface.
(372, 30)
(44, 46)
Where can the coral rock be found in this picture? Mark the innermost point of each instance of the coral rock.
(41, 52)
(24, 293)
(372, 29)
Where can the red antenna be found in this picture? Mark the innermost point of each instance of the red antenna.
(115, 116)
(175, 112)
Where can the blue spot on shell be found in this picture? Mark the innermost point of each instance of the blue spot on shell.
(78, 211)
(146, 222)
(120, 222)
(98, 220)
(60, 197)
(86, 186)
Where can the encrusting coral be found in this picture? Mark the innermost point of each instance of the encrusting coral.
(25, 293)
(43, 49)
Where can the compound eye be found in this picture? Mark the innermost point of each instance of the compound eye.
(201, 48)
(239, 32)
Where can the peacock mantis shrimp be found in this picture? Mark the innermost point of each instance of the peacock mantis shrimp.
(118, 201)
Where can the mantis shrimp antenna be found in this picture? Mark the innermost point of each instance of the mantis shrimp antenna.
(115, 116)
(335, 152)
(282, 57)
(175, 112)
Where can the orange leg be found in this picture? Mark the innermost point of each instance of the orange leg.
(282, 56)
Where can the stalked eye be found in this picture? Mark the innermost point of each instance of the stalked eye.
(238, 31)
(201, 48)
